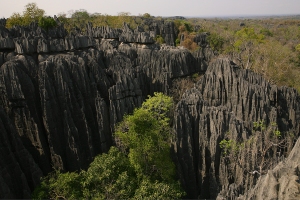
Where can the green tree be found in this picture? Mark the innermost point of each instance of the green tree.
(46, 22)
(31, 14)
(146, 134)
(15, 19)
(143, 170)
(297, 48)
(110, 176)
(59, 185)
(159, 39)
(80, 18)
(158, 190)
(146, 15)
(216, 42)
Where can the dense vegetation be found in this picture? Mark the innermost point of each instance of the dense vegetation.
(268, 46)
(31, 14)
(140, 167)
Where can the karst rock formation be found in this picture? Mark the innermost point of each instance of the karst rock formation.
(63, 92)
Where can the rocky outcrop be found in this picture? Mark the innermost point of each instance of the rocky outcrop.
(33, 39)
(167, 31)
(62, 94)
(164, 28)
(19, 173)
(226, 99)
(73, 109)
(282, 182)
(6, 42)
(137, 36)
(104, 32)
(201, 39)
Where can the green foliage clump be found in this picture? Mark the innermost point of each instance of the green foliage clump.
(188, 27)
(297, 48)
(195, 76)
(177, 41)
(31, 14)
(46, 22)
(142, 170)
(146, 15)
(115, 21)
(110, 176)
(247, 37)
(216, 42)
(230, 146)
(183, 26)
(157, 190)
(159, 39)
(147, 135)
(266, 32)
(80, 18)
(60, 185)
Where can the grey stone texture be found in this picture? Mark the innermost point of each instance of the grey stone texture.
(63, 93)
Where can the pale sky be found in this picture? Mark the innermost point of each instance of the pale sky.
(206, 8)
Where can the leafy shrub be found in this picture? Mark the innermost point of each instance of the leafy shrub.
(216, 42)
(46, 22)
(266, 32)
(190, 44)
(249, 34)
(146, 15)
(14, 20)
(297, 48)
(59, 185)
(147, 134)
(159, 39)
(31, 14)
(177, 41)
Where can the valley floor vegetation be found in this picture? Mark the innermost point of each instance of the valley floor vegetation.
(139, 167)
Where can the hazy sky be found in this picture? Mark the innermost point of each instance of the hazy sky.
(159, 7)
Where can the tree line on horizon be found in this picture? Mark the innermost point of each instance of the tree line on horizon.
(268, 46)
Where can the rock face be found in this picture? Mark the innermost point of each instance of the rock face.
(19, 172)
(138, 35)
(282, 182)
(226, 99)
(62, 94)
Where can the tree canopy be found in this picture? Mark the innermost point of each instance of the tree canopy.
(142, 169)
(31, 14)
(146, 134)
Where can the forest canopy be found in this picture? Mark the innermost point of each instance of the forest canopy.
(139, 167)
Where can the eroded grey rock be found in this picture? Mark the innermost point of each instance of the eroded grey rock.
(226, 99)
(282, 182)
(65, 95)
